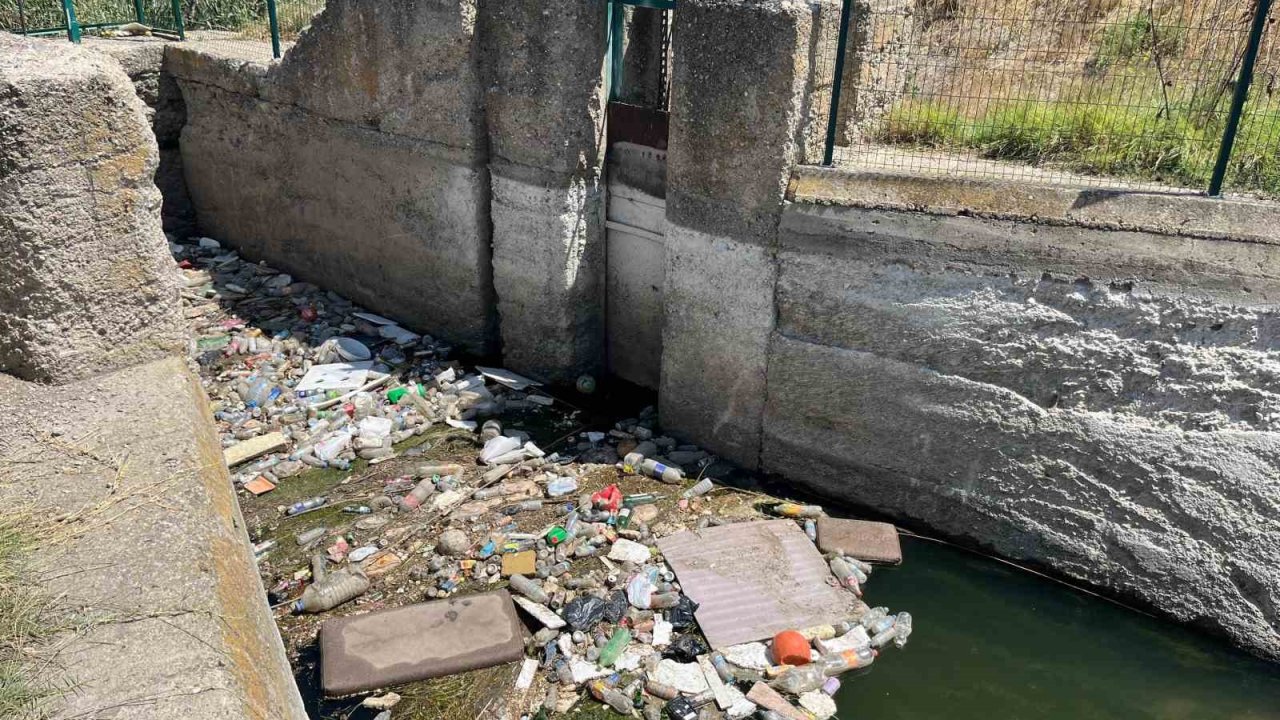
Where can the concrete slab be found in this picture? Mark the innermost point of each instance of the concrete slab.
(755, 579)
(150, 553)
(861, 539)
(417, 642)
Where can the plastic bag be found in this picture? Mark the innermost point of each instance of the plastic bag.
(686, 648)
(584, 612)
(615, 606)
(681, 616)
(642, 586)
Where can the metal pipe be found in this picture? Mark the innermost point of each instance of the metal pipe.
(22, 16)
(139, 12)
(1239, 96)
(275, 28)
(837, 81)
(616, 29)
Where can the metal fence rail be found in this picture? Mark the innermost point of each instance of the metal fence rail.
(1138, 94)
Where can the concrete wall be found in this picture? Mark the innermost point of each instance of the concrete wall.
(146, 574)
(637, 226)
(358, 162)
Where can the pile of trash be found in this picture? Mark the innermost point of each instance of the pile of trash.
(602, 553)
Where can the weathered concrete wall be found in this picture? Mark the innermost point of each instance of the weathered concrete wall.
(143, 59)
(357, 162)
(545, 109)
(740, 77)
(148, 564)
(637, 226)
(1102, 402)
(440, 163)
(86, 284)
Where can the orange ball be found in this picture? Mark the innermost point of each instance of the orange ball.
(790, 648)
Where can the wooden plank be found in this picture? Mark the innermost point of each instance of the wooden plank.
(767, 697)
(253, 447)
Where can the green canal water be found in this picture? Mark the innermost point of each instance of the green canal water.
(994, 642)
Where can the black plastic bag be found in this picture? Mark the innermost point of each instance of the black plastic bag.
(584, 612)
(686, 648)
(681, 616)
(615, 607)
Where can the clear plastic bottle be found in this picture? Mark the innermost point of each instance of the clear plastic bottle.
(800, 680)
(309, 504)
(337, 588)
(701, 488)
(898, 632)
(529, 589)
(794, 510)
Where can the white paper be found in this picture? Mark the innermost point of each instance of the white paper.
(375, 319)
(525, 680)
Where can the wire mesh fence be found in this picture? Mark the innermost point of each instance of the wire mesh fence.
(1130, 94)
(256, 29)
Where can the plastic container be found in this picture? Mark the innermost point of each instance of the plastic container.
(490, 430)
(562, 486)
(613, 649)
(528, 588)
(898, 633)
(337, 588)
(306, 538)
(418, 495)
(702, 488)
(795, 510)
(303, 506)
(790, 648)
(800, 680)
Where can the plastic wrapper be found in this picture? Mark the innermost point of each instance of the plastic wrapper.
(584, 612)
(686, 648)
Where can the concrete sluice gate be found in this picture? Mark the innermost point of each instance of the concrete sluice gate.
(1080, 380)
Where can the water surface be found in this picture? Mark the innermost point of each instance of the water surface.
(992, 641)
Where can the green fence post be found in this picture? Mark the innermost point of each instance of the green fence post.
(837, 81)
(1239, 96)
(139, 12)
(616, 24)
(22, 16)
(177, 20)
(73, 25)
(275, 28)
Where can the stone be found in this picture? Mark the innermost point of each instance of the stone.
(453, 542)
(88, 283)
(819, 703)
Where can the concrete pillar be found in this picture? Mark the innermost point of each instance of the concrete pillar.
(86, 281)
(740, 77)
(545, 109)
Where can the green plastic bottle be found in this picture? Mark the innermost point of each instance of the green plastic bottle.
(394, 394)
(612, 649)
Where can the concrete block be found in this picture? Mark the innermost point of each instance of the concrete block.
(89, 285)
(544, 100)
(739, 81)
(1174, 520)
(398, 225)
(403, 68)
(418, 642)
(718, 316)
(548, 271)
(170, 615)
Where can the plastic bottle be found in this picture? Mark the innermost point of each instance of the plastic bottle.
(307, 537)
(847, 577)
(722, 668)
(309, 504)
(795, 510)
(831, 686)
(611, 697)
(336, 589)
(800, 680)
(898, 633)
(702, 488)
(522, 506)
(836, 663)
(395, 395)
(418, 495)
(811, 529)
(319, 568)
(490, 430)
(613, 649)
(528, 588)
(872, 616)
